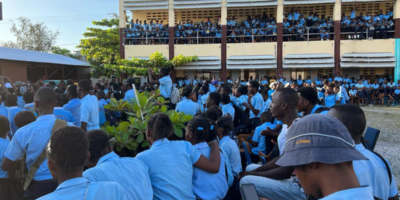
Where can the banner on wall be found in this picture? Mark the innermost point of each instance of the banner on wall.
(397, 56)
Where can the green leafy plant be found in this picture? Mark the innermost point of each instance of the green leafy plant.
(131, 133)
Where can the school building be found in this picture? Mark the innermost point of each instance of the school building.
(341, 54)
(24, 65)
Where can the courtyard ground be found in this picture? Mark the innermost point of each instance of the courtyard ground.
(387, 119)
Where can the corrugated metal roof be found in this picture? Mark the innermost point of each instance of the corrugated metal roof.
(346, 1)
(145, 4)
(189, 4)
(204, 62)
(293, 2)
(367, 60)
(251, 62)
(38, 57)
(308, 61)
(250, 3)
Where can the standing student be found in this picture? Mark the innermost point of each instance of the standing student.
(374, 171)
(164, 83)
(32, 140)
(171, 163)
(62, 114)
(24, 118)
(227, 108)
(89, 110)
(360, 93)
(4, 179)
(106, 166)
(101, 97)
(28, 98)
(129, 94)
(188, 106)
(254, 103)
(231, 150)
(67, 153)
(3, 109)
(74, 104)
(12, 110)
(205, 184)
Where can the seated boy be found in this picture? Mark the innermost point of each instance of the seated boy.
(262, 143)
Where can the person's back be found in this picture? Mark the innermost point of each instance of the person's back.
(12, 111)
(21, 102)
(89, 110)
(63, 115)
(4, 181)
(74, 104)
(188, 107)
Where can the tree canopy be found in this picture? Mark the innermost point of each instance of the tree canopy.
(62, 51)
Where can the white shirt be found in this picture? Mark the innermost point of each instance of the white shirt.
(282, 138)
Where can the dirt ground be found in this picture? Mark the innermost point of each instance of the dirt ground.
(387, 119)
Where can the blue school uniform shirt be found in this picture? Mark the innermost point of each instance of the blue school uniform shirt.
(203, 102)
(188, 107)
(299, 82)
(29, 105)
(260, 139)
(102, 114)
(129, 96)
(187, 82)
(21, 102)
(3, 111)
(397, 91)
(63, 114)
(330, 100)
(373, 172)
(342, 98)
(270, 93)
(212, 88)
(364, 192)
(353, 14)
(78, 188)
(239, 102)
(74, 106)
(90, 112)
(266, 105)
(228, 108)
(32, 139)
(170, 166)
(131, 173)
(11, 113)
(103, 102)
(231, 150)
(3, 146)
(207, 185)
(257, 102)
(165, 86)
(325, 112)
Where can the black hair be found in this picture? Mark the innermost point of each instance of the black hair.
(227, 88)
(199, 127)
(70, 82)
(68, 148)
(99, 86)
(264, 91)
(72, 90)
(187, 91)
(203, 115)
(101, 95)
(52, 84)
(61, 100)
(212, 133)
(98, 140)
(243, 90)
(3, 97)
(289, 96)
(46, 97)
(226, 124)
(266, 116)
(225, 98)
(161, 126)
(205, 88)
(28, 97)
(24, 118)
(309, 94)
(117, 95)
(352, 117)
(214, 113)
(116, 87)
(216, 97)
(84, 85)
(129, 82)
(164, 71)
(11, 100)
(255, 84)
(4, 126)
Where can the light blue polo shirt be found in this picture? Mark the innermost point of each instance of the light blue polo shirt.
(3, 111)
(325, 112)
(330, 100)
(90, 112)
(364, 193)
(373, 172)
(211, 88)
(74, 106)
(3, 146)
(188, 107)
(266, 105)
(231, 150)
(228, 108)
(102, 114)
(103, 102)
(170, 166)
(78, 188)
(205, 184)
(63, 114)
(165, 86)
(131, 173)
(240, 100)
(29, 105)
(129, 96)
(260, 139)
(21, 102)
(33, 138)
(257, 102)
(11, 113)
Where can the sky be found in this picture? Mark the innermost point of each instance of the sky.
(70, 17)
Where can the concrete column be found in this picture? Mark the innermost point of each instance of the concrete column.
(224, 15)
(337, 13)
(396, 11)
(279, 38)
(122, 26)
(171, 39)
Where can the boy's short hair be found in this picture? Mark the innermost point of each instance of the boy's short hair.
(28, 97)
(214, 113)
(309, 94)
(225, 98)
(255, 84)
(24, 118)
(216, 97)
(11, 100)
(98, 140)
(266, 116)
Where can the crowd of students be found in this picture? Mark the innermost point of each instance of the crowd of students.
(310, 153)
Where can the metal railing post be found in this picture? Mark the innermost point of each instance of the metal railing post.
(197, 37)
(147, 42)
(308, 34)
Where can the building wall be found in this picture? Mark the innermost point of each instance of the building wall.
(198, 50)
(15, 70)
(367, 46)
(145, 50)
(308, 47)
(243, 49)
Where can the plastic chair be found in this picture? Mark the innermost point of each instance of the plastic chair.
(247, 151)
(371, 137)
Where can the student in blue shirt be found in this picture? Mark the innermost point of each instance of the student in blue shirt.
(254, 103)
(28, 98)
(12, 111)
(396, 94)
(32, 139)
(171, 163)
(164, 83)
(188, 106)
(129, 94)
(267, 100)
(4, 181)
(308, 102)
(206, 185)
(60, 113)
(230, 148)
(74, 104)
(331, 98)
(300, 81)
(241, 94)
(227, 108)
(372, 172)
(106, 166)
(89, 110)
(67, 153)
(259, 141)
